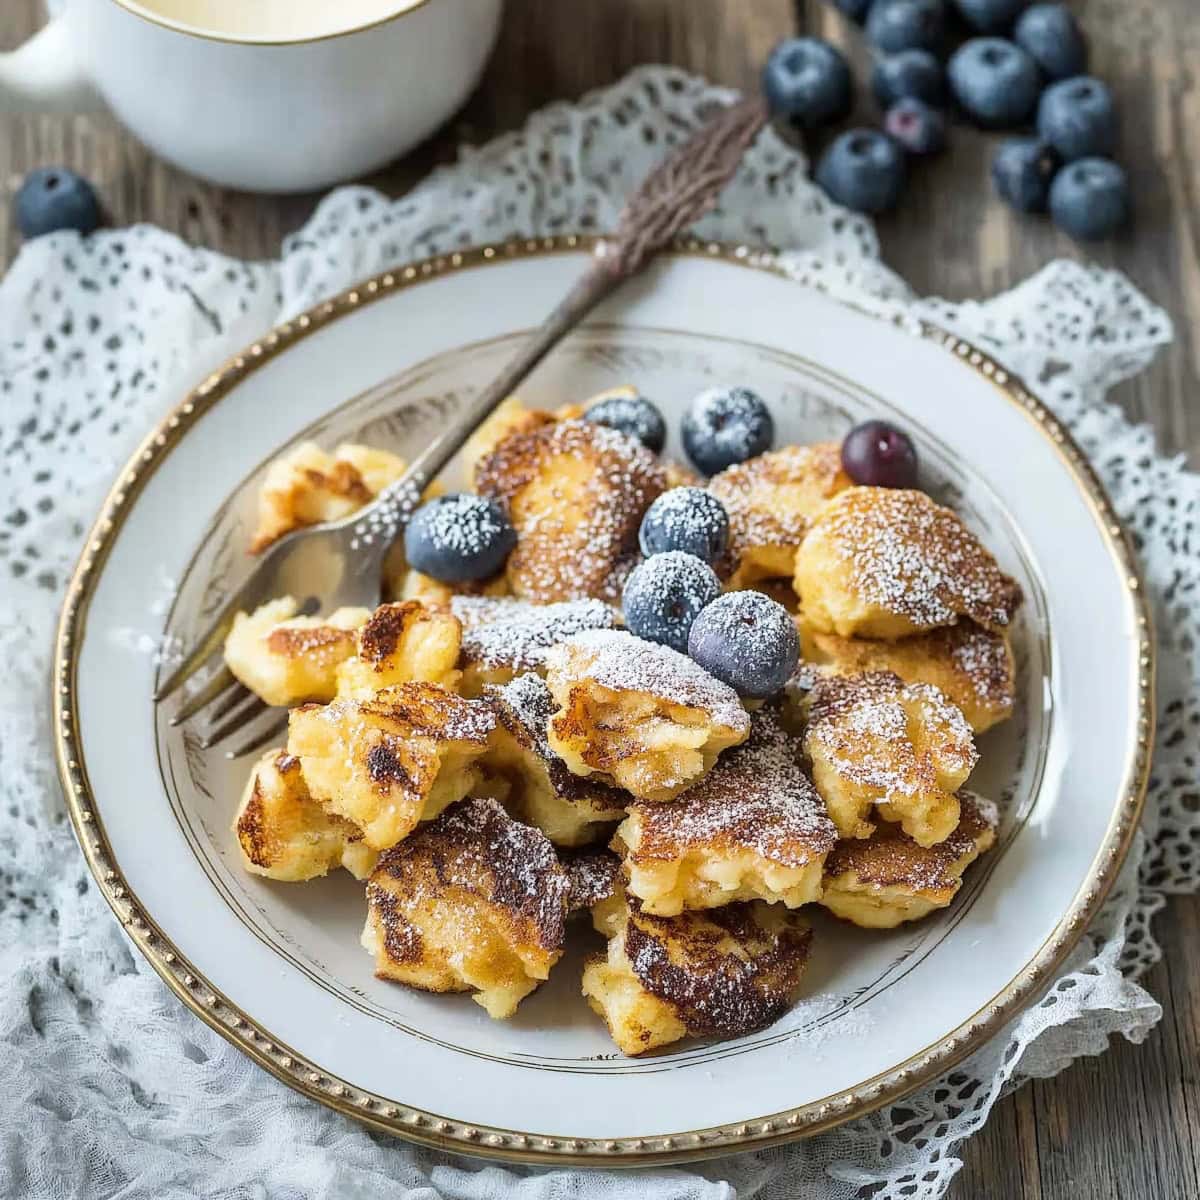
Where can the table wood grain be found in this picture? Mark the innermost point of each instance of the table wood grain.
(1126, 1124)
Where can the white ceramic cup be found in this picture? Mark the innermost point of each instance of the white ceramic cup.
(266, 116)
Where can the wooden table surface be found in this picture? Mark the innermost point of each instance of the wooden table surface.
(1127, 1124)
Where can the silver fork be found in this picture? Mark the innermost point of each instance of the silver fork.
(341, 563)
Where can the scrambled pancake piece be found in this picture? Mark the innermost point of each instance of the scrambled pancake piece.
(412, 585)
(886, 879)
(639, 715)
(504, 638)
(472, 902)
(569, 809)
(308, 485)
(402, 643)
(394, 760)
(283, 833)
(972, 666)
(753, 828)
(771, 500)
(877, 742)
(286, 659)
(594, 878)
(888, 562)
(509, 418)
(575, 493)
(721, 973)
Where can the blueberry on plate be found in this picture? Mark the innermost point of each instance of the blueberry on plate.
(919, 128)
(895, 25)
(747, 640)
(1089, 198)
(1022, 169)
(909, 73)
(685, 518)
(53, 198)
(724, 426)
(877, 454)
(863, 170)
(994, 80)
(1051, 36)
(458, 538)
(990, 16)
(856, 10)
(808, 80)
(630, 413)
(664, 595)
(1078, 118)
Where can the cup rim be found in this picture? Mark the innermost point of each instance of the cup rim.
(402, 8)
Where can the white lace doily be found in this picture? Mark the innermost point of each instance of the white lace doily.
(112, 1088)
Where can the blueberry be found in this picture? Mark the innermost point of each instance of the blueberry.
(864, 170)
(664, 595)
(895, 25)
(994, 80)
(688, 519)
(909, 73)
(1077, 117)
(53, 198)
(919, 128)
(458, 538)
(878, 454)
(1022, 169)
(856, 10)
(990, 16)
(1089, 198)
(748, 641)
(724, 426)
(1050, 35)
(808, 80)
(632, 414)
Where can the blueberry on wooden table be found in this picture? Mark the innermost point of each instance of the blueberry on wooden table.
(990, 16)
(895, 25)
(723, 426)
(863, 170)
(917, 126)
(689, 519)
(1022, 169)
(995, 81)
(910, 73)
(459, 538)
(807, 80)
(663, 596)
(1051, 36)
(54, 198)
(1089, 198)
(747, 640)
(1078, 118)
(633, 415)
(877, 454)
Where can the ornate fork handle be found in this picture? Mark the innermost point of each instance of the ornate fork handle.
(680, 190)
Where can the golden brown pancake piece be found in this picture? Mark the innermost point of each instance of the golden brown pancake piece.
(720, 973)
(877, 743)
(638, 715)
(474, 901)
(889, 562)
(771, 501)
(972, 666)
(405, 642)
(394, 760)
(753, 828)
(886, 879)
(575, 493)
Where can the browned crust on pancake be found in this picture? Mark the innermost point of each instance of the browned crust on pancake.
(381, 635)
(717, 993)
(316, 642)
(593, 876)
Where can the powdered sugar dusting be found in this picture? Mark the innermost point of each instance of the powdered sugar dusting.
(502, 632)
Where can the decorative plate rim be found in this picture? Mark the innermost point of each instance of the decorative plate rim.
(444, 1133)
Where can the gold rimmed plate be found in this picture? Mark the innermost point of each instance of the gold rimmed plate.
(277, 968)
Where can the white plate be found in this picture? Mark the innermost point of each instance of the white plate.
(277, 968)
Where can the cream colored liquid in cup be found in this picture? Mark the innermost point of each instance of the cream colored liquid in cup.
(272, 20)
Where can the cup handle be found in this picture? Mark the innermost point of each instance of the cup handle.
(45, 75)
